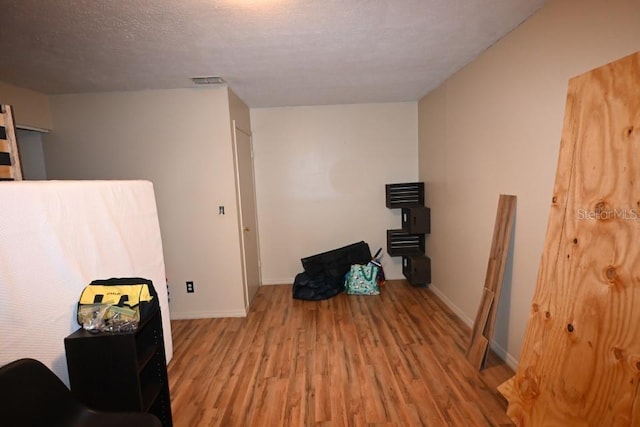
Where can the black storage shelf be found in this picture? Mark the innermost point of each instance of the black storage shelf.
(417, 269)
(401, 243)
(409, 242)
(145, 357)
(416, 220)
(124, 371)
(149, 395)
(406, 195)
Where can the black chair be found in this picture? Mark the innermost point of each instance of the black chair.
(31, 395)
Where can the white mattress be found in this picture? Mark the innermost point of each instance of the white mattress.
(55, 238)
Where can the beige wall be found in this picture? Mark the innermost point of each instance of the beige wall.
(495, 127)
(320, 175)
(239, 112)
(30, 109)
(181, 141)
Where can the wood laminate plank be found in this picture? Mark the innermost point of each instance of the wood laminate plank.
(479, 343)
(506, 388)
(394, 359)
(500, 251)
(484, 324)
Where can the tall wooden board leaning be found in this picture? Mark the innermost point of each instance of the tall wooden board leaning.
(409, 241)
(484, 323)
(580, 362)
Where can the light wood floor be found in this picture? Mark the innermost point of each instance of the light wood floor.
(396, 359)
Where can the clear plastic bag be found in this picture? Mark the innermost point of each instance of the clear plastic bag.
(108, 318)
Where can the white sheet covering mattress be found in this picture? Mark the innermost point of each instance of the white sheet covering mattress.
(55, 238)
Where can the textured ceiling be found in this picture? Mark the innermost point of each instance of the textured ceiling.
(271, 52)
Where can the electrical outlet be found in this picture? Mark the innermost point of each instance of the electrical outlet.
(190, 288)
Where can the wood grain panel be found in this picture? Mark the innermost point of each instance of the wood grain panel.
(396, 359)
(506, 388)
(484, 323)
(479, 344)
(580, 364)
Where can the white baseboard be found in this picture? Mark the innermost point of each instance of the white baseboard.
(208, 314)
(289, 281)
(267, 282)
(511, 361)
(458, 312)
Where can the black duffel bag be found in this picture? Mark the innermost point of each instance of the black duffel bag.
(316, 288)
(323, 275)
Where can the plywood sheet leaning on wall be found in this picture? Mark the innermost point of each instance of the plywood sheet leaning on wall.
(580, 363)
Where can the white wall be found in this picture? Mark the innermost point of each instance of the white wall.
(320, 176)
(30, 108)
(495, 127)
(181, 141)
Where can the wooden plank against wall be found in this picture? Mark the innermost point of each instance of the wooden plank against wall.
(484, 323)
(479, 344)
(580, 363)
(499, 252)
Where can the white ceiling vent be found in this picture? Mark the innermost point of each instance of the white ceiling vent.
(214, 80)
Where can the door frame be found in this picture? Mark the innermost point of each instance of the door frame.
(245, 290)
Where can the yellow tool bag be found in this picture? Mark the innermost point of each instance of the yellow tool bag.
(116, 305)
